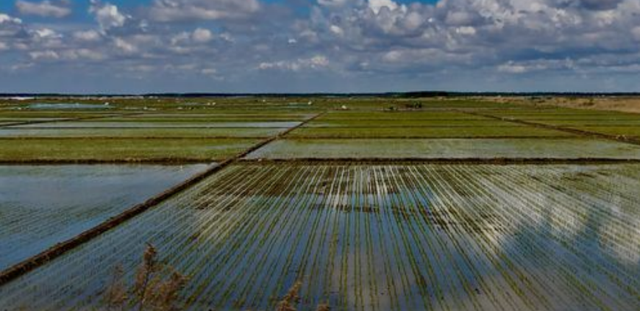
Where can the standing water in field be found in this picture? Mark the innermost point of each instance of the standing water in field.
(44, 205)
(375, 237)
(65, 106)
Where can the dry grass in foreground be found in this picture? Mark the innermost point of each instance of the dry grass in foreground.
(151, 291)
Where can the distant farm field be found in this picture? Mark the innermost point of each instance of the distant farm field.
(359, 203)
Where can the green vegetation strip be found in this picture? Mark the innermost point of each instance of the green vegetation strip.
(410, 123)
(565, 129)
(58, 114)
(590, 122)
(397, 116)
(628, 131)
(120, 150)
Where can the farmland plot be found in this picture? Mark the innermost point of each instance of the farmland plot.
(125, 125)
(398, 116)
(122, 149)
(408, 123)
(551, 111)
(141, 132)
(23, 114)
(383, 237)
(43, 205)
(20, 120)
(215, 117)
(590, 122)
(628, 131)
(424, 132)
(563, 148)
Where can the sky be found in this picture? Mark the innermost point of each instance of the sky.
(283, 46)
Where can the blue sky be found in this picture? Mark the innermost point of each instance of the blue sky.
(319, 45)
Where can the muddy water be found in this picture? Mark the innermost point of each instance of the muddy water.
(43, 205)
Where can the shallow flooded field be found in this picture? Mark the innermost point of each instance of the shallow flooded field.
(424, 132)
(134, 125)
(140, 132)
(373, 204)
(483, 148)
(66, 106)
(44, 205)
(376, 237)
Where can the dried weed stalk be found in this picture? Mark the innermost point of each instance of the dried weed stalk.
(290, 299)
(150, 291)
(116, 293)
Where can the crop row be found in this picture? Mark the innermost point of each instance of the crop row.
(384, 237)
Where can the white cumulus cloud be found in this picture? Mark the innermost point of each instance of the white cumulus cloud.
(107, 15)
(44, 8)
(315, 62)
(186, 10)
(202, 35)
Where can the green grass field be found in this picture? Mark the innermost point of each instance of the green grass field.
(139, 130)
(121, 150)
(400, 122)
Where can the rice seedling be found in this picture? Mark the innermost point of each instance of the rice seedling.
(374, 237)
(359, 202)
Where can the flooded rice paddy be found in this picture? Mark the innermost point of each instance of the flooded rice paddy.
(564, 148)
(139, 132)
(376, 237)
(134, 125)
(66, 106)
(44, 205)
(378, 234)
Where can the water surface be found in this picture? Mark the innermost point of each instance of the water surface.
(44, 205)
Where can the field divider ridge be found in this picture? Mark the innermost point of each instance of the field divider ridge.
(61, 248)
